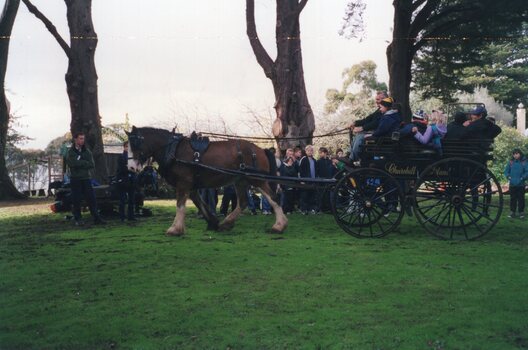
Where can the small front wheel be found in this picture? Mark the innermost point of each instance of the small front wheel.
(367, 203)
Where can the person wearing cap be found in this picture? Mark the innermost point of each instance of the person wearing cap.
(367, 124)
(478, 127)
(390, 121)
(516, 172)
(456, 129)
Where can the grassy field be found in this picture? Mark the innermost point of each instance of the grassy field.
(121, 286)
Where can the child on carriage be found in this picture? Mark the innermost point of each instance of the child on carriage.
(435, 132)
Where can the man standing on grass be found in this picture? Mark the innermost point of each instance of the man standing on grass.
(80, 161)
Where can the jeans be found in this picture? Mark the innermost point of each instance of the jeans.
(265, 204)
(209, 197)
(358, 140)
(83, 189)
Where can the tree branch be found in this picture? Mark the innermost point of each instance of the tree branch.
(422, 17)
(51, 28)
(260, 52)
(417, 4)
(433, 32)
(301, 5)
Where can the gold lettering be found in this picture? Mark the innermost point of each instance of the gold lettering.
(392, 168)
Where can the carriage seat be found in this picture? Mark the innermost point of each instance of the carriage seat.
(409, 148)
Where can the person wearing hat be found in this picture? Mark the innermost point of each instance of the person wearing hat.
(516, 172)
(478, 127)
(456, 129)
(390, 121)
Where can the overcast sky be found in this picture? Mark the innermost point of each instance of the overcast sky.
(160, 59)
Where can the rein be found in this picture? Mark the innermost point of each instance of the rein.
(263, 138)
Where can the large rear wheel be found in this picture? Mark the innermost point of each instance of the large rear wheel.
(458, 199)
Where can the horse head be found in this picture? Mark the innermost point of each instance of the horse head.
(139, 153)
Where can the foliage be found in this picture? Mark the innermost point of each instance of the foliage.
(55, 146)
(434, 40)
(500, 66)
(115, 133)
(507, 140)
(354, 100)
(132, 287)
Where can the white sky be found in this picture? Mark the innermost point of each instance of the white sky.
(159, 59)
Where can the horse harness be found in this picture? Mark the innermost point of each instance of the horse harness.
(199, 145)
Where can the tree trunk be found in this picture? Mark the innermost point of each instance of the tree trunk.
(295, 117)
(400, 56)
(7, 19)
(81, 81)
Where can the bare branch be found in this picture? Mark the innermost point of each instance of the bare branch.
(417, 4)
(49, 25)
(260, 52)
(302, 4)
(422, 17)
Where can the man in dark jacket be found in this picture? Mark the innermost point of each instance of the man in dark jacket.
(478, 127)
(308, 197)
(126, 181)
(80, 161)
(456, 129)
(363, 126)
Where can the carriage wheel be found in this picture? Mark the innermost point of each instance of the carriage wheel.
(458, 199)
(367, 203)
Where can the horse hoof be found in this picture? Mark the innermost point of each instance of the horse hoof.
(174, 233)
(226, 226)
(212, 227)
(277, 230)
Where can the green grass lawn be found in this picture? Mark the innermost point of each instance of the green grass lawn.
(122, 286)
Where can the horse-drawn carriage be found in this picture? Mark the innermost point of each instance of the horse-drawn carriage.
(453, 195)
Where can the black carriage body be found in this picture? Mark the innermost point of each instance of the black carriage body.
(407, 159)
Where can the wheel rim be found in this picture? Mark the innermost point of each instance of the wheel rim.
(365, 203)
(458, 199)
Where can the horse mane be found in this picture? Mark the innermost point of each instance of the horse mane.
(150, 129)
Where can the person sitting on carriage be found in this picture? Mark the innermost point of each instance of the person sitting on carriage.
(480, 128)
(419, 121)
(456, 129)
(435, 132)
(390, 121)
(365, 125)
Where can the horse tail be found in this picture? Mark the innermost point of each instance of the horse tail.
(273, 168)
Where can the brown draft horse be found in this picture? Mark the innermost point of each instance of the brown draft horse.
(166, 148)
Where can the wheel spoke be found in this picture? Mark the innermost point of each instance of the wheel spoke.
(473, 220)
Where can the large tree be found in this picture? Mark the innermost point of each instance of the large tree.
(81, 76)
(418, 25)
(294, 114)
(7, 20)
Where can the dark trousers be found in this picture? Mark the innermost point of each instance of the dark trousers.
(308, 200)
(517, 198)
(226, 199)
(127, 192)
(288, 200)
(83, 189)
